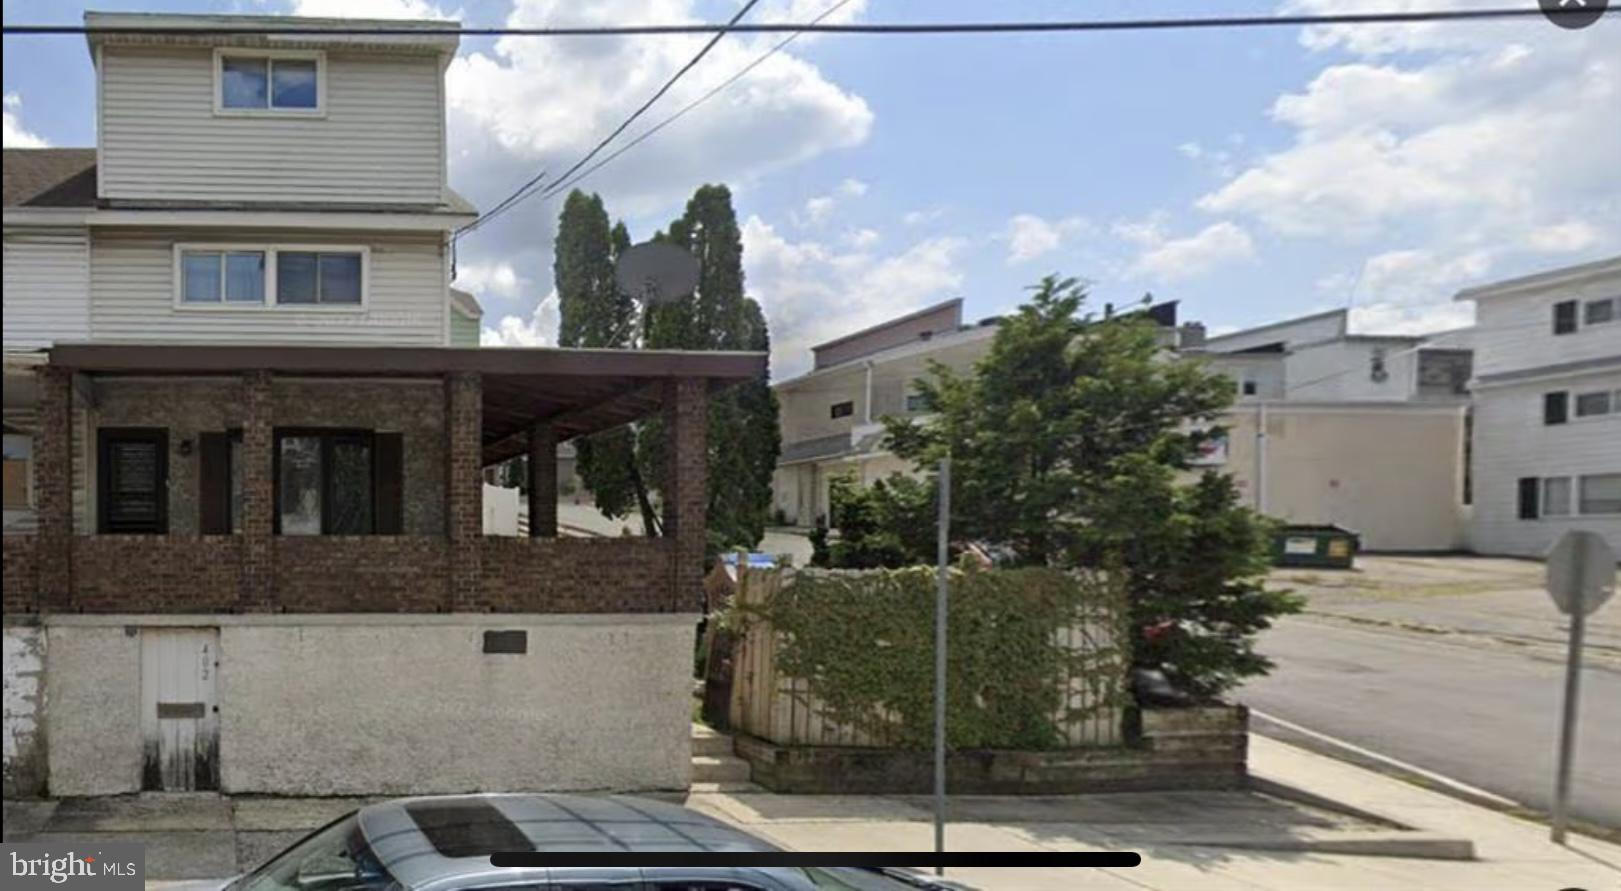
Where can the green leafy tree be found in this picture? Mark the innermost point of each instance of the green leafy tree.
(889, 524)
(744, 439)
(595, 313)
(1071, 443)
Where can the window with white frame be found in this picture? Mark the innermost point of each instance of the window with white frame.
(289, 82)
(264, 275)
(1600, 494)
(318, 277)
(222, 276)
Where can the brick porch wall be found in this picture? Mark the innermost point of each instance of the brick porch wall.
(458, 571)
(575, 575)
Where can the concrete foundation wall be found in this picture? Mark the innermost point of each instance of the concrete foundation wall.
(93, 709)
(24, 741)
(417, 707)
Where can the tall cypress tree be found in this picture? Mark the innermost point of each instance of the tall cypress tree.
(744, 440)
(594, 313)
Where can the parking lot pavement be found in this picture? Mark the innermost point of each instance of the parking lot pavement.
(1494, 602)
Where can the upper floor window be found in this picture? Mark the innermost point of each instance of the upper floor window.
(253, 275)
(283, 81)
(1571, 315)
(842, 409)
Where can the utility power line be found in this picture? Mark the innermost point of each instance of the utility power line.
(522, 192)
(562, 184)
(881, 28)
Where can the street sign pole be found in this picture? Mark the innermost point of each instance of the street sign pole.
(1581, 577)
(1567, 730)
(940, 603)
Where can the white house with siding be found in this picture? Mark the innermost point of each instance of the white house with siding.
(253, 189)
(1547, 404)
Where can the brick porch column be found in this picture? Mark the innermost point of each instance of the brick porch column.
(53, 487)
(686, 499)
(464, 487)
(256, 586)
(543, 481)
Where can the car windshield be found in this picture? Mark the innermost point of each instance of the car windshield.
(333, 858)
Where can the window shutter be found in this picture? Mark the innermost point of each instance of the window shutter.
(388, 486)
(1564, 317)
(1555, 407)
(214, 483)
(1528, 497)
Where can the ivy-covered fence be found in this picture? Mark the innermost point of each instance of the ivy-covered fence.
(1036, 658)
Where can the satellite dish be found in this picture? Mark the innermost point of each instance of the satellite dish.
(656, 272)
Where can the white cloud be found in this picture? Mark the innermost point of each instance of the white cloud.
(862, 239)
(1448, 130)
(1417, 276)
(812, 293)
(17, 136)
(926, 215)
(818, 209)
(540, 329)
(523, 105)
(1177, 259)
(492, 279)
(1029, 236)
(1574, 235)
(1391, 318)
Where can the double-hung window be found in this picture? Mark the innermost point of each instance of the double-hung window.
(279, 82)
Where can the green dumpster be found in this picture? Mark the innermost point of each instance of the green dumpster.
(1322, 547)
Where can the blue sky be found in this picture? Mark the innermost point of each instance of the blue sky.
(1251, 174)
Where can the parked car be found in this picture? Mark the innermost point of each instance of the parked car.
(441, 843)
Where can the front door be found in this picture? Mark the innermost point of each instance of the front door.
(179, 717)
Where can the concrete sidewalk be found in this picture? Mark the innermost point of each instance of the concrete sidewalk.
(1189, 840)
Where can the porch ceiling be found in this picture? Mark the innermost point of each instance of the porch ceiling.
(579, 391)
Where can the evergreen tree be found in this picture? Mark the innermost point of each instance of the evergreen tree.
(595, 313)
(744, 439)
(1072, 442)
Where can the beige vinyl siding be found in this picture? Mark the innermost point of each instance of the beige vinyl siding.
(1511, 441)
(47, 287)
(380, 139)
(133, 292)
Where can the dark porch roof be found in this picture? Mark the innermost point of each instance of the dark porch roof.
(579, 391)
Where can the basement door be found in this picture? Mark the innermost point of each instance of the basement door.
(179, 715)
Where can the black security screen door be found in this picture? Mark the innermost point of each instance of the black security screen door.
(133, 480)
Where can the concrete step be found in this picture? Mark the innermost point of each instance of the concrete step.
(719, 769)
(707, 741)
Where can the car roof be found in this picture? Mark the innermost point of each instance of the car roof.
(446, 841)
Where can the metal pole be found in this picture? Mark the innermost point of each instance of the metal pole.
(1567, 732)
(940, 604)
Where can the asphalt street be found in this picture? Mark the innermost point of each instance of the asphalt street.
(1485, 716)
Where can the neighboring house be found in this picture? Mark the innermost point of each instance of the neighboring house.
(1547, 391)
(466, 318)
(831, 416)
(1362, 431)
(253, 560)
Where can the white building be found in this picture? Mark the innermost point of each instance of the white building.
(1547, 393)
(1362, 431)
